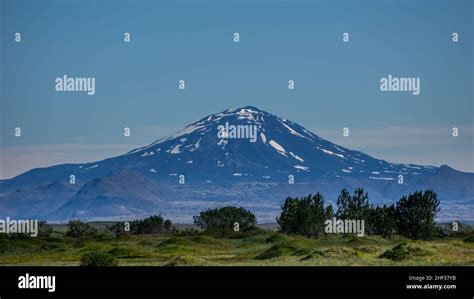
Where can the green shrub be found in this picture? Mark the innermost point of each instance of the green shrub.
(44, 229)
(223, 219)
(117, 228)
(304, 216)
(98, 259)
(150, 225)
(416, 214)
(353, 207)
(382, 220)
(79, 229)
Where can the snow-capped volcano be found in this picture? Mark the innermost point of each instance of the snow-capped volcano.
(242, 156)
(271, 149)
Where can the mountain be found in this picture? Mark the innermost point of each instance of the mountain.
(242, 156)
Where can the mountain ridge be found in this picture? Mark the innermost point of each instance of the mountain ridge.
(184, 172)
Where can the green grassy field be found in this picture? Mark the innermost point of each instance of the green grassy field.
(256, 247)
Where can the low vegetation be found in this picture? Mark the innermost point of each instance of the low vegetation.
(402, 234)
(404, 251)
(254, 247)
(98, 258)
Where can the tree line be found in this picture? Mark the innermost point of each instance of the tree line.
(412, 216)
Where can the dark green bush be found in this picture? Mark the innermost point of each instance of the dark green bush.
(150, 225)
(224, 218)
(382, 220)
(304, 216)
(416, 214)
(79, 229)
(44, 229)
(98, 259)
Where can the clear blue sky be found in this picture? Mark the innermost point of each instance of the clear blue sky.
(337, 84)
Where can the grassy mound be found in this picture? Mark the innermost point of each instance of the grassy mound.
(52, 247)
(5, 245)
(251, 232)
(312, 255)
(278, 237)
(403, 251)
(177, 246)
(206, 240)
(367, 248)
(173, 242)
(126, 252)
(339, 252)
(280, 249)
(302, 251)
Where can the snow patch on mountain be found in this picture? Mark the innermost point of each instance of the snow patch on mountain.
(278, 147)
(246, 114)
(176, 150)
(147, 154)
(301, 167)
(197, 144)
(296, 157)
(381, 178)
(330, 152)
(187, 130)
(292, 131)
